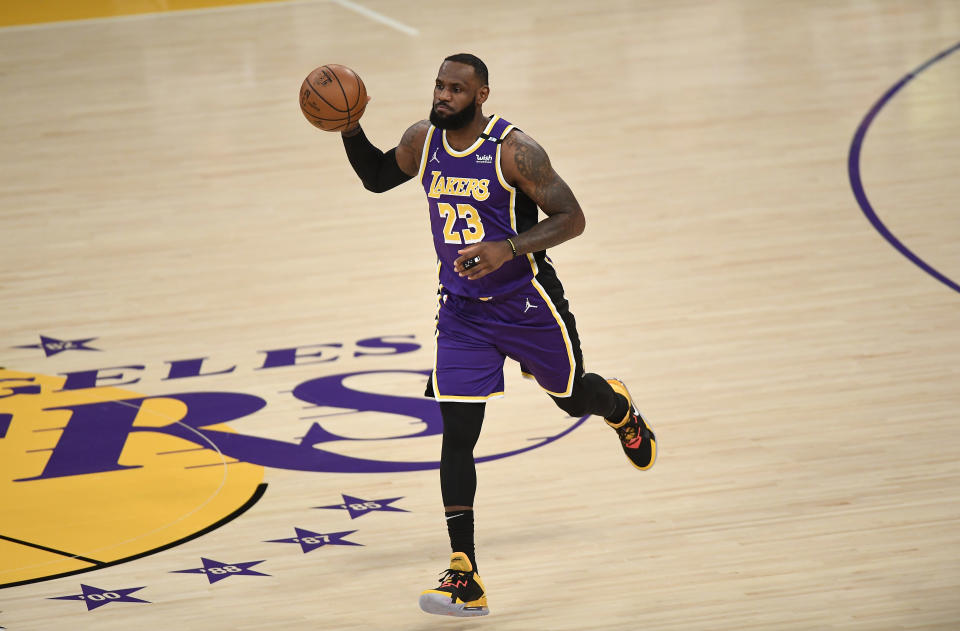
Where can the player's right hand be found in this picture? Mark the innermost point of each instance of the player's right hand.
(352, 129)
(492, 255)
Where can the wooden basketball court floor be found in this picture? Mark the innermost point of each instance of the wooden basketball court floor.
(198, 299)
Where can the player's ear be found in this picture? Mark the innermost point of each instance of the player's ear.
(482, 94)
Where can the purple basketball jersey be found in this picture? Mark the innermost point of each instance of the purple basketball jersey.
(470, 201)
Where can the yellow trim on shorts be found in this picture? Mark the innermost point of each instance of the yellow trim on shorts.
(456, 399)
(436, 351)
(433, 376)
(566, 342)
(436, 329)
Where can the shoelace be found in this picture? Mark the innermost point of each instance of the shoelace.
(629, 433)
(450, 573)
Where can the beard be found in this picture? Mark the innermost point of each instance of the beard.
(456, 120)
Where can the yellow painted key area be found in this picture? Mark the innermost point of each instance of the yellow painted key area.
(164, 489)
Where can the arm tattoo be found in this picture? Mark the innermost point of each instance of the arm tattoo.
(549, 191)
(538, 180)
(410, 135)
(409, 148)
(531, 159)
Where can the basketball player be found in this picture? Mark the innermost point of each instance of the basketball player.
(499, 294)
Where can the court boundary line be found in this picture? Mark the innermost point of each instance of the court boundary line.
(99, 564)
(155, 14)
(38, 546)
(257, 494)
(377, 17)
(346, 4)
(853, 169)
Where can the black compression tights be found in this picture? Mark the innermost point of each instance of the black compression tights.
(591, 395)
(461, 429)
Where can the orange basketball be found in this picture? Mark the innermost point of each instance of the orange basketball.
(333, 97)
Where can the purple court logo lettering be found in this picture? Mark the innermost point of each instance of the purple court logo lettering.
(79, 449)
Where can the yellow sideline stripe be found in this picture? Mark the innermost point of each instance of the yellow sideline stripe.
(17, 13)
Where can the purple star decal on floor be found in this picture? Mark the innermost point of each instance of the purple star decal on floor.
(357, 506)
(310, 540)
(217, 571)
(52, 346)
(96, 597)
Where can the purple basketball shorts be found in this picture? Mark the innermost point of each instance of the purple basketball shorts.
(474, 336)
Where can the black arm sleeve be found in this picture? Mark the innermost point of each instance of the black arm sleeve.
(378, 171)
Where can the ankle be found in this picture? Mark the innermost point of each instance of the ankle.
(460, 529)
(620, 410)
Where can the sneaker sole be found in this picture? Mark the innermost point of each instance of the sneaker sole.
(440, 605)
(653, 443)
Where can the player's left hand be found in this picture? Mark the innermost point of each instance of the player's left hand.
(492, 255)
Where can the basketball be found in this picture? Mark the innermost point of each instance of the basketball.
(333, 97)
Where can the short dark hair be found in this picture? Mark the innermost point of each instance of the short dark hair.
(479, 67)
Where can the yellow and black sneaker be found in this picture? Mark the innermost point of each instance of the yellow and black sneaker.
(637, 440)
(461, 592)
